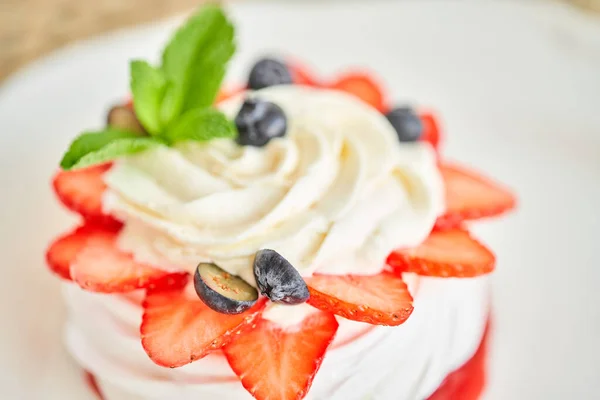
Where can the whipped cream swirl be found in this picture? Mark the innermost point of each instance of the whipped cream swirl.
(336, 195)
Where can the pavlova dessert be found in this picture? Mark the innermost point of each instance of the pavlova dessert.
(294, 238)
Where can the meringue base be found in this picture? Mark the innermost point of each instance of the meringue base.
(466, 383)
(413, 361)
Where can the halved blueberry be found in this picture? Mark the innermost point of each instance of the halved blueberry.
(258, 122)
(278, 279)
(407, 124)
(221, 291)
(269, 72)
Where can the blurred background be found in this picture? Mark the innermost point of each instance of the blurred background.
(31, 28)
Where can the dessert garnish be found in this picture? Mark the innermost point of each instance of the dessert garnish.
(277, 363)
(259, 121)
(470, 196)
(449, 253)
(407, 124)
(123, 118)
(178, 328)
(269, 72)
(381, 299)
(277, 279)
(222, 291)
(172, 101)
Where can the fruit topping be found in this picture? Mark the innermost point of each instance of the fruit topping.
(64, 249)
(381, 299)
(177, 328)
(301, 75)
(81, 191)
(280, 363)
(431, 130)
(93, 260)
(123, 118)
(451, 253)
(362, 86)
(269, 72)
(278, 279)
(471, 196)
(228, 93)
(407, 124)
(258, 122)
(223, 292)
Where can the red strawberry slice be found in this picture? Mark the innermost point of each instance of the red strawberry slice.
(362, 86)
(100, 266)
(64, 249)
(431, 130)
(381, 299)
(301, 75)
(178, 328)
(450, 253)
(90, 257)
(225, 94)
(470, 196)
(81, 191)
(276, 363)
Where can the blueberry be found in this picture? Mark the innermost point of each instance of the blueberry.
(407, 124)
(124, 118)
(278, 279)
(269, 72)
(259, 121)
(223, 292)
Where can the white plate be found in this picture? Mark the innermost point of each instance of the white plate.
(519, 88)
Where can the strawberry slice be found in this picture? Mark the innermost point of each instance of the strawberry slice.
(301, 75)
(225, 94)
(431, 130)
(178, 328)
(81, 191)
(362, 86)
(100, 266)
(449, 253)
(65, 248)
(470, 196)
(90, 257)
(381, 299)
(278, 363)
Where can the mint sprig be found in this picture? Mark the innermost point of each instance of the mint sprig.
(173, 101)
(200, 124)
(148, 86)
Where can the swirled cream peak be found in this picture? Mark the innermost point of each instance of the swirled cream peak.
(335, 195)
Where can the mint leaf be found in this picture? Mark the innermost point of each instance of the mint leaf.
(148, 86)
(194, 62)
(210, 67)
(89, 142)
(201, 124)
(115, 149)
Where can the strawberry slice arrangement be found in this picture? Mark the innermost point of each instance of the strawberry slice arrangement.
(184, 317)
(288, 358)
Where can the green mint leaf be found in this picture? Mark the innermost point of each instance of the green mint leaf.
(201, 124)
(148, 86)
(89, 142)
(171, 104)
(194, 62)
(115, 149)
(210, 67)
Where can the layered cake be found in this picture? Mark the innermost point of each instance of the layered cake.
(296, 237)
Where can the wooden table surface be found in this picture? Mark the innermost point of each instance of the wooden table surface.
(32, 28)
